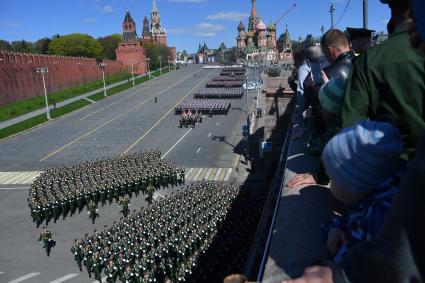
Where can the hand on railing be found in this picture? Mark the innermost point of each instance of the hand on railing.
(314, 274)
(301, 179)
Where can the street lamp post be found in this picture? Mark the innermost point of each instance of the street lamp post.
(168, 59)
(132, 71)
(102, 66)
(149, 69)
(160, 65)
(42, 71)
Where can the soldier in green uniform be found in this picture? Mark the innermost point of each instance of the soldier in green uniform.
(76, 249)
(150, 190)
(111, 272)
(124, 203)
(46, 237)
(92, 207)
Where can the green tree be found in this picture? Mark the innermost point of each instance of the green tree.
(109, 44)
(154, 52)
(23, 46)
(5, 45)
(76, 44)
(41, 46)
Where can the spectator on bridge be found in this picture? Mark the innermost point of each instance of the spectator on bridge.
(363, 164)
(396, 253)
(387, 81)
(310, 54)
(336, 47)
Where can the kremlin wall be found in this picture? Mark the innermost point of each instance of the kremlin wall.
(19, 79)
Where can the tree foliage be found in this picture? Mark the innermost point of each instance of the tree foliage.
(41, 46)
(76, 44)
(109, 44)
(154, 52)
(5, 45)
(23, 46)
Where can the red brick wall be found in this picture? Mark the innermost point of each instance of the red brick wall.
(19, 79)
(132, 53)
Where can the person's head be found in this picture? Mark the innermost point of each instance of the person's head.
(398, 13)
(417, 26)
(312, 53)
(235, 278)
(360, 39)
(334, 43)
(331, 96)
(360, 158)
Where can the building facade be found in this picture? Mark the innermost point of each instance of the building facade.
(131, 52)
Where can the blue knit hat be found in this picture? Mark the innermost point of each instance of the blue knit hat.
(362, 157)
(331, 95)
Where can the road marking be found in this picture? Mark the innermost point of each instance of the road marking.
(25, 277)
(214, 171)
(165, 115)
(64, 278)
(218, 123)
(223, 173)
(198, 174)
(23, 177)
(217, 175)
(103, 280)
(208, 173)
(229, 171)
(209, 135)
(175, 144)
(89, 100)
(199, 149)
(17, 188)
(113, 119)
(193, 174)
(188, 173)
(88, 115)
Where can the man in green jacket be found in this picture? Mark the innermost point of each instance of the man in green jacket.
(387, 83)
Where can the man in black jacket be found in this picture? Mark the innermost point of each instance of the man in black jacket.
(336, 47)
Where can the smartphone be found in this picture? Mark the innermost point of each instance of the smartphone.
(316, 71)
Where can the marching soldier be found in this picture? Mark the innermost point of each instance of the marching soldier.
(46, 237)
(92, 207)
(124, 203)
(150, 190)
(78, 255)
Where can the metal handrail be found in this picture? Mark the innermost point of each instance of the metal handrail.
(282, 164)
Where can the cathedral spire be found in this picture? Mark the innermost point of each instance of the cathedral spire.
(154, 6)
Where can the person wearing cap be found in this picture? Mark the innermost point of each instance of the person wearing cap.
(360, 39)
(387, 82)
(363, 163)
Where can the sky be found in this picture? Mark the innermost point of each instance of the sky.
(187, 22)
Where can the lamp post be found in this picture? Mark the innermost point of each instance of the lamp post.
(102, 66)
(168, 59)
(132, 70)
(160, 65)
(42, 71)
(149, 69)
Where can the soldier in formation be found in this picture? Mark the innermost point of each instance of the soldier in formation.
(204, 107)
(125, 203)
(92, 211)
(219, 93)
(175, 239)
(189, 119)
(66, 190)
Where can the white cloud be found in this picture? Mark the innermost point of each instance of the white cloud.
(89, 20)
(177, 30)
(205, 34)
(108, 9)
(233, 16)
(188, 1)
(16, 24)
(208, 27)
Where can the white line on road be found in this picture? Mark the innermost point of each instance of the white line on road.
(175, 144)
(208, 174)
(229, 171)
(64, 278)
(25, 277)
(1, 272)
(218, 123)
(103, 280)
(198, 174)
(199, 149)
(217, 175)
(188, 173)
(209, 135)
(19, 188)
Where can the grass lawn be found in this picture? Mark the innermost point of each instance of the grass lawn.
(54, 113)
(22, 126)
